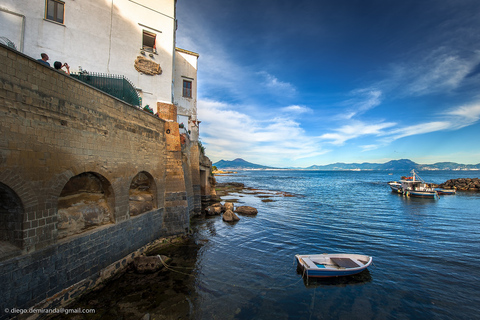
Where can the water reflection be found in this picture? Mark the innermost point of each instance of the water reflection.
(357, 279)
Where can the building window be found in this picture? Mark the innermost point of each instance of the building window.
(187, 89)
(55, 11)
(149, 41)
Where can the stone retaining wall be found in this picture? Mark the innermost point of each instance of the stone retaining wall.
(43, 277)
(54, 128)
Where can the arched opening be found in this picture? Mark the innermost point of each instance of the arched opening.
(11, 222)
(142, 194)
(85, 202)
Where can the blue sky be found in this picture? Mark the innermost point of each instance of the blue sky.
(300, 83)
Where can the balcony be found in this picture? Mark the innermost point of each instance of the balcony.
(115, 85)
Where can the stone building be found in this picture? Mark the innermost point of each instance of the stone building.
(86, 177)
(135, 39)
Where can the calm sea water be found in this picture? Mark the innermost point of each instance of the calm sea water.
(426, 253)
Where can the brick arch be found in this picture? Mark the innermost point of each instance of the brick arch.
(142, 194)
(86, 201)
(22, 188)
(28, 196)
(12, 215)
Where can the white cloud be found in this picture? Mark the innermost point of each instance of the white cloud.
(231, 134)
(420, 128)
(354, 130)
(276, 85)
(437, 71)
(465, 115)
(297, 109)
(362, 101)
(454, 119)
(370, 147)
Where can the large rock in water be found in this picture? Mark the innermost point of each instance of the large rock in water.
(228, 206)
(247, 210)
(230, 216)
(462, 184)
(213, 211)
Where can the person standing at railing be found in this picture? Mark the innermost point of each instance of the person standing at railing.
(58, 66)
(44, 59)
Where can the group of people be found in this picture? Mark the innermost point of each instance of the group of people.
(57, 64)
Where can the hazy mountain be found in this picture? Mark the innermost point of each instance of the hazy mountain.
(238, 164)
(402, 164)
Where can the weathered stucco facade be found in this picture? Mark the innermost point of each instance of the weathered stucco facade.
(100, 36)
(85, 180)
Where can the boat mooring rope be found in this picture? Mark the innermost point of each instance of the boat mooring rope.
(171, 269)
(193, 275)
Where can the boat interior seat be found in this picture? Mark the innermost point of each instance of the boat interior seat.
(309, 263)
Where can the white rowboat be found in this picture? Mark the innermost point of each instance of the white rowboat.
(332, 265)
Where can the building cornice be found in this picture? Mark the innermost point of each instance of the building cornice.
(187, 52)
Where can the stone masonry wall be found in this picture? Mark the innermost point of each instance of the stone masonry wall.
(176, 204)
(44, 275)
(52, 128)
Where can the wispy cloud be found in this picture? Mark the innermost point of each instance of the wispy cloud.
(420, 128)
(297, 109)
(277, 120)
(453, 119)
(354, 130)
(387, 132)
(229, 133)
(370, 147)
(361, 101)
(465, 115)
(439, 70)
(272, 83)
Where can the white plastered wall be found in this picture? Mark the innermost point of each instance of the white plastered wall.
(100, 36)
(186, 64)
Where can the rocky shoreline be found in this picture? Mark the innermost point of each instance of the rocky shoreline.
(461, 184)
(228, 208)
(161, 283)
(158, 285)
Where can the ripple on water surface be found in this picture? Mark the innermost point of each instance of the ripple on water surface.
(423, 250)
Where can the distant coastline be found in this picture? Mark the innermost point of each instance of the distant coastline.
(394, 165)
(220, 172)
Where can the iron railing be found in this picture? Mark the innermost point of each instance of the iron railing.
(115, 85)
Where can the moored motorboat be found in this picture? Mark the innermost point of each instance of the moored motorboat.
(413, 186)
(332, 265)
(422, 194)
(446, 191)
(395, 186)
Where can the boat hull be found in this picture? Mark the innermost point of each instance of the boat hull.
(395, 186)
(332, 265)
(446, 191)
(422, 194)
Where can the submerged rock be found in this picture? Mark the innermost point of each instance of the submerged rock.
(213, 211)
(230, 216)
(247, 210)
(228, 206)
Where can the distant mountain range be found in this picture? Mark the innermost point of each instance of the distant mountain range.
(239, 164)
(402, 164)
